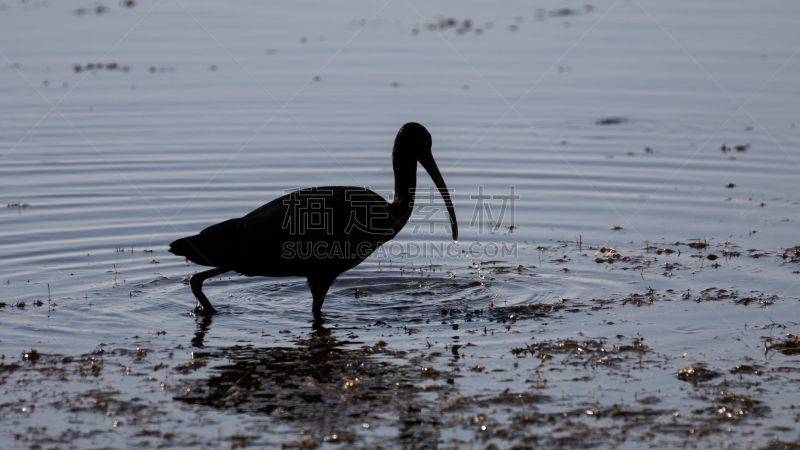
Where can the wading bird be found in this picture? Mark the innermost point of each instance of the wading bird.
(317, 233)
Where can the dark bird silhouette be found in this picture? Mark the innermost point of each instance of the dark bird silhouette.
(317, 233)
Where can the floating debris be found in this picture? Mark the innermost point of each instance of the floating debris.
(612, 121)
(697, 373)
(154, 69)
(77, 68)
(563, 12)
(746, 369)
(788, 345)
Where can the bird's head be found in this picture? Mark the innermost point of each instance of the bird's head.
(413, 143)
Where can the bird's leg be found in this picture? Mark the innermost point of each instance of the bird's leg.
(319, 288)
(196, 281)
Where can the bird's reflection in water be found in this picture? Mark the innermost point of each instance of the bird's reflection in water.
(318, 382)
(203, 324)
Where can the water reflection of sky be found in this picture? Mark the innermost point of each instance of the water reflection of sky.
(624, 115)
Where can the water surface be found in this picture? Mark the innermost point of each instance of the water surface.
(616, 123)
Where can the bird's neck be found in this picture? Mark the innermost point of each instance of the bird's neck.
(405, 181)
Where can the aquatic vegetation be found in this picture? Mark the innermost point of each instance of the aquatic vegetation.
(788, 345)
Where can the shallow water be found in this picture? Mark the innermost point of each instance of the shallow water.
(608, 121)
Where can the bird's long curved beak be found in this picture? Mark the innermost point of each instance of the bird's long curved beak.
(433, 170)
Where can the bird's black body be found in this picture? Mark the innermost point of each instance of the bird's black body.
(316, 233)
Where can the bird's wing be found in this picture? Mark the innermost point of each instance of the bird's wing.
(256, 243)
